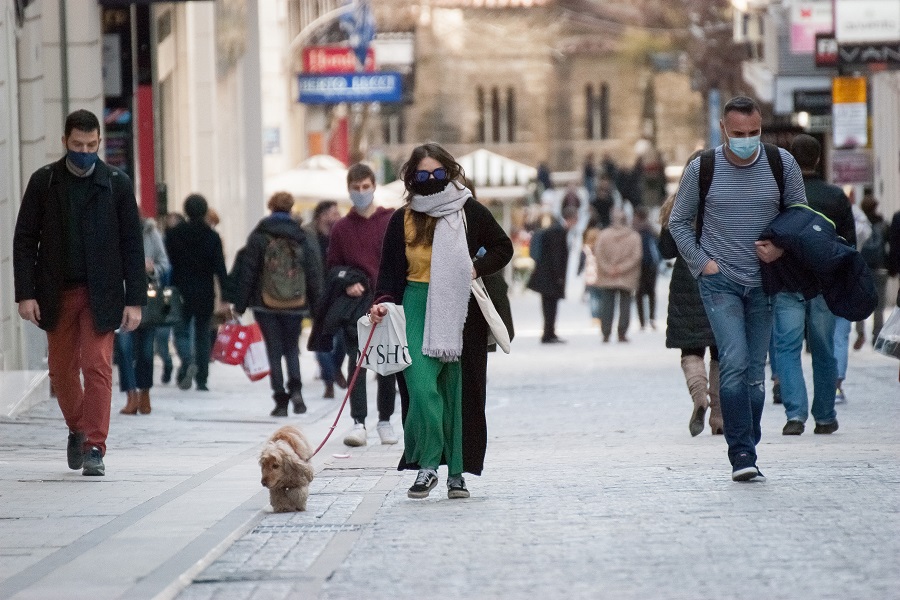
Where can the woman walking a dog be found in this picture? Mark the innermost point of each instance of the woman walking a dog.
(427, 266)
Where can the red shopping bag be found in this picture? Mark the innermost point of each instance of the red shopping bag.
(232, 342)
(256, 359)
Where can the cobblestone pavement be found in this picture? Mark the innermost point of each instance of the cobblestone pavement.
(594, 488)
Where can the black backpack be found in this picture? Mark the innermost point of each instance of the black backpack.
(708, 167)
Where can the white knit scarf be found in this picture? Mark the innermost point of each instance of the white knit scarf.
(451, 272)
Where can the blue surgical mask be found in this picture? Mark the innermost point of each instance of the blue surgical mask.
(744, 147)
(362, 200)
(82, 160)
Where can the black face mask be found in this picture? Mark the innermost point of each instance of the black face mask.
(429, 187)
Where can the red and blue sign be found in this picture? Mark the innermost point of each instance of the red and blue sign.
(357, 87)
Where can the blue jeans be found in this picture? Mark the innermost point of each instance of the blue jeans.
(841, 345)
(330, 362)
(594, 294)
(135, 359)
(193, 344)
(793, 314)
(741, 320)
(162, 345)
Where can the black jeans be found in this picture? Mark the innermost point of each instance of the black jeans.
(281, 332)
(387, 386)
(646, 287)
(549, 304)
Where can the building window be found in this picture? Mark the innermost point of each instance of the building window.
(393, 126)
(497, 116)
(482, 116)
(597, 111)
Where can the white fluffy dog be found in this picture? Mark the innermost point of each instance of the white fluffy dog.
(286, 471)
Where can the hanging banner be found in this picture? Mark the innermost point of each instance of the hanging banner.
(849, 116)
(323, 60)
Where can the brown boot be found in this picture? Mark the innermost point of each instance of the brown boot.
(715, 407)
(695, 376)
(131, 406)
(144, 397)
(329, 390)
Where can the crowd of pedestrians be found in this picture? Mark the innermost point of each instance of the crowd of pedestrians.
(88, 287)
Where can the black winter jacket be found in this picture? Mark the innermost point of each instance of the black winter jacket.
(549, 275)
(816, 261)
(686, 324)
(339, 312)
(195, 251)
(243, 289)
(113, 243)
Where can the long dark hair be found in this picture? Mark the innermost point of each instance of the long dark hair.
(424, 225)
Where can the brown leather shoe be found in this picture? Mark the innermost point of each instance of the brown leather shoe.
(144, 397)
(329, 390)
(340, 380)
(131, 406)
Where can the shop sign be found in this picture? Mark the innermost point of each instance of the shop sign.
(862, 21)
(321, 60)
(851, 166)
(334, 89)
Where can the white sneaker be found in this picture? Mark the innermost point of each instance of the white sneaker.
(356, 436)
(386, 433)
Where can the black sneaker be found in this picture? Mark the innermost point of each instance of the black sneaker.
(202, 387)
(745, 470)
(93, 462)
(75, 450)
(425, 482)
(280, 410)
(793, 427)
(297, 401)
(776, 393)
(456, 488)
(826, 427)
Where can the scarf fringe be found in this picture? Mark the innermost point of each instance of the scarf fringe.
(446, 356)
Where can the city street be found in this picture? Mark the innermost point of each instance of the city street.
(593, 488)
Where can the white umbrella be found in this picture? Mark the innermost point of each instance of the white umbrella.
(319, 177)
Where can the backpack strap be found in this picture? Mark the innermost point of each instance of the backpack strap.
(707, 169)
(777, 166)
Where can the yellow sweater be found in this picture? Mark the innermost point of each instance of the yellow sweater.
(418, 257)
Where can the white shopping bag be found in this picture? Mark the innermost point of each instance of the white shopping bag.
(388, 351)
(256, 361)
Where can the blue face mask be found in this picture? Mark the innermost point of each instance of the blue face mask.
(362, 200)
(744, 147)
(82, 160)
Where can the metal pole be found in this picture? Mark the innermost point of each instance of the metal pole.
(64, 59)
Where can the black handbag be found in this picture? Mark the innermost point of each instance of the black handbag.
(164, 306)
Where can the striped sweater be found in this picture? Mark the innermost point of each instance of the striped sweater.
(742, 201)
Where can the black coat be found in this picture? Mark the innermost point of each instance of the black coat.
(549, 275)
(816, 261)
(113, 243)
(243, 288)
(686, 325)
(482, 230)
(339, 312)
(831, 201)
(195, 251)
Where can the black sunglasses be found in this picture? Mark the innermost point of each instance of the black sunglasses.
(422, 176)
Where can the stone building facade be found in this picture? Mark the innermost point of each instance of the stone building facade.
(535, 80)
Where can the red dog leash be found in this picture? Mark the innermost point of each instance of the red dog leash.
(349, 387)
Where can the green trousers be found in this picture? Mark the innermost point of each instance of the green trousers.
(433, 428)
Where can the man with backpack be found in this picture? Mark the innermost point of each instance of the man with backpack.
(279, 275)
(356, 242)
(795, 316)
(738, 192)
